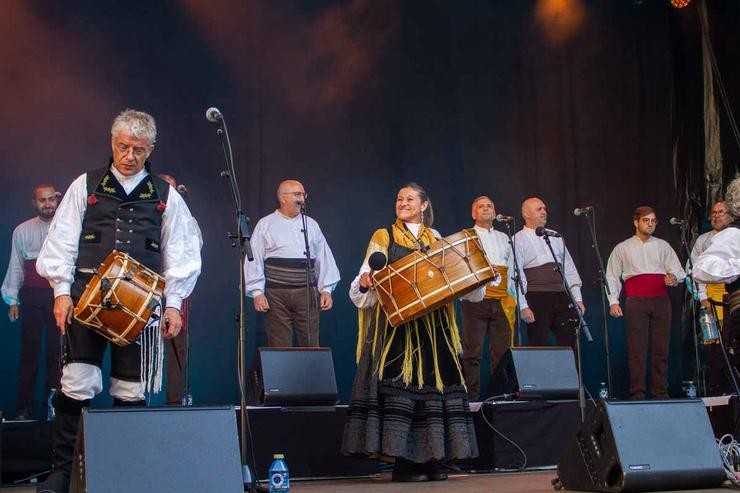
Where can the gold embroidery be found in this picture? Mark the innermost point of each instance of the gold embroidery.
(90, 236)
(147, 195)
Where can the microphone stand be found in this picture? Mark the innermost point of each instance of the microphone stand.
(185, 398)
(605, 293)
(699, 374)
(307, 253)
(517, 281)
(239, 239)
(581, 327)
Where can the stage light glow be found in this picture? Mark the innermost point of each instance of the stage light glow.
(679, 4)
(559, 20)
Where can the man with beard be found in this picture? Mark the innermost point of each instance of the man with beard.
(23, 285)
(648, 265)
(720, 262)
(546, 306)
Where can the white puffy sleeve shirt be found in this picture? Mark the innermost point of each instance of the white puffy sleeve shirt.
(720, 262)
(180, 239)
(27, 240)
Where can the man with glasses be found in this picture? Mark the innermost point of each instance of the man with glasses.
(276, 278)
(23, 284)
(648, 265)
(720, 218)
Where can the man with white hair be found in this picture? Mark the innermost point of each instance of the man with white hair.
(720, 262)
(124, 207)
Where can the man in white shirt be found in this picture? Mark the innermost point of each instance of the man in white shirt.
(648, 265)
(720, 263)
(493, 315)
(23, 285)
(124, 207)
(720, 219)
(276, 278)
(545, 305)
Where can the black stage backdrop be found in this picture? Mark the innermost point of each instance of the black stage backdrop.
(575, 102)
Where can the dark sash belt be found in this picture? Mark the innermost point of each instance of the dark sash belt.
(288, 273)
(543, 278)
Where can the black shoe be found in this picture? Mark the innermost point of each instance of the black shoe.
(64, 437)
(405, 471)
(435, 471)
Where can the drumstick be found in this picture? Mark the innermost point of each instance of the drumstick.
(376, 262)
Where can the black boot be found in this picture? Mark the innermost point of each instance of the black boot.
(119, 403)
(435, 470)
(64, 438)
(407, 471)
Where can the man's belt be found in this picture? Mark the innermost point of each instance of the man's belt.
(288, 273)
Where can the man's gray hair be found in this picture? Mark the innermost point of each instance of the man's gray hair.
(135, 123)
(732, 198)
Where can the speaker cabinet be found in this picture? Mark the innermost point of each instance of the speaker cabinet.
(536, 373)
(188, 450)
(642, 446)
(291, 377)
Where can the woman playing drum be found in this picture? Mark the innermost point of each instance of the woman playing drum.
(408, 400)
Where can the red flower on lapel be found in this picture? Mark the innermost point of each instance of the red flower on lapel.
(161, 206)
(92, 199)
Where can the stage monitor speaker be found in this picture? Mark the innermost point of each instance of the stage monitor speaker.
(188, 449)
(291, 377)
(643, 446)
(536, 373)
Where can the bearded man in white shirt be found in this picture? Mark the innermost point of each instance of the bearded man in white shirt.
(648, 266)
(23, 285)
(121, 206)
(276, 278)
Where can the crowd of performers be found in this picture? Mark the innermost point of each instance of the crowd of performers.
(410, 398)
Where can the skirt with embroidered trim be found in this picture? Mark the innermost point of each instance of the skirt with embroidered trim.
(417, 422)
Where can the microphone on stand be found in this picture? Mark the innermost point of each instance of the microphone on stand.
(583, 211)
(376, 261)
(503, 219)
(542, 231)
(214, 115)
(677, 221)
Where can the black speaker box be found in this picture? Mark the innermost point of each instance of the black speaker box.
(188, 449)
(643, 446)
(536, 373)
(291, 377)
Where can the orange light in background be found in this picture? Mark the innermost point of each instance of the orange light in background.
(559, 20)
(679, 4)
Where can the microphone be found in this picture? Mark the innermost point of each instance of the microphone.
(677, 222)
(182, 189)
(542, 231)
(582, 211)
(376, 261)
(503, 219)
(214, 115)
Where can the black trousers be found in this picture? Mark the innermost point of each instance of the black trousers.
(552, 312)
(37, 317)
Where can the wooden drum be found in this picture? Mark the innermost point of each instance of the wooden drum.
(119, 299)
(421, 282)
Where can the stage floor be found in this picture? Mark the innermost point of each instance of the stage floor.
(522, 482)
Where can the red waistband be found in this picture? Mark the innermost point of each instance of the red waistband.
(646, 286)
(31, 278)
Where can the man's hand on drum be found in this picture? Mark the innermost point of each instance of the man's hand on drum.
(366, 281)
(325, 301)
(63, 310)
(260, 303)
(172, 323)
(528, 315)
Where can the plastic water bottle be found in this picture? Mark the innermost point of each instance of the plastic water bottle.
(603, 391)
(50, 411)
(279, 477)
(709, 327)
(690, 389)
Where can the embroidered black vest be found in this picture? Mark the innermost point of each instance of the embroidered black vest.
(128, 223)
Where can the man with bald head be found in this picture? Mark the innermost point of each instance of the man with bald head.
(23, 285)
(545, 306)
(276, 279)
(494, 315)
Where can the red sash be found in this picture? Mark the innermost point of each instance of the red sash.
(645, 286)
(31, 278)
